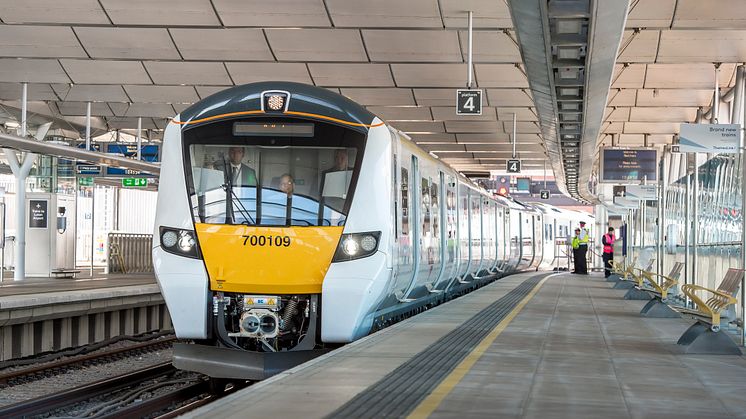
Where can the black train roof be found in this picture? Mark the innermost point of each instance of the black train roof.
(304, 99)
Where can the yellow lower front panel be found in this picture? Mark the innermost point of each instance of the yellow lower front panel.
(271, 260)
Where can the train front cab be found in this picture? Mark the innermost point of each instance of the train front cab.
(242, 260)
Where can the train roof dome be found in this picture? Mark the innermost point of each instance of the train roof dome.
(305, 100)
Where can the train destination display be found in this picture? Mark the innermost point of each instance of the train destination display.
(629, 165)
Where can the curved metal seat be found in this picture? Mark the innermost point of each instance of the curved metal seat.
(705, 335)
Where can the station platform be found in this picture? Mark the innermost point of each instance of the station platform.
(9, 287)
(38, 315)
(537, 345)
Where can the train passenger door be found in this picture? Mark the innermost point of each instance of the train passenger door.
(408, 251)
(538, 241)
(464, 231)
(477, 242)
(451, 219)
(432, 262)
(445, 230)
(500, 236)
(488, 219)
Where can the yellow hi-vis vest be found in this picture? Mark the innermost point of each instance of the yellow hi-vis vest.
(575, 242)
(584, 236)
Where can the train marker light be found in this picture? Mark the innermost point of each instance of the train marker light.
(368, 243)
(169, 238)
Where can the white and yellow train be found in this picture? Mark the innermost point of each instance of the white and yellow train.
(290, 220)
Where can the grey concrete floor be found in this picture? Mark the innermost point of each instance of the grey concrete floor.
(576, 350)
(586, 352)
(9, 287)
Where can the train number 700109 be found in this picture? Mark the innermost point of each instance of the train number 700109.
(269, 240)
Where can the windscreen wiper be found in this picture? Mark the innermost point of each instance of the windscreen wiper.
(228, 187)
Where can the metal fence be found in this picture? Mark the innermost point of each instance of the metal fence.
(129, 253)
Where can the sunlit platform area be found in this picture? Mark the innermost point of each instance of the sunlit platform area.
(539, 345)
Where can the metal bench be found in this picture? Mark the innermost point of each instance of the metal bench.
(658, 306)
(64, 273)
(705, 336)
(633, 276)
(620, 270)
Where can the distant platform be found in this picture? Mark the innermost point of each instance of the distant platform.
(536, 345)
(10, 287)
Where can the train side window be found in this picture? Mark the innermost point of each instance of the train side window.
(426, 208)
(404, 201)
(435, 205)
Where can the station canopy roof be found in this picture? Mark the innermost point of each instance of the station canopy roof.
(401, 59)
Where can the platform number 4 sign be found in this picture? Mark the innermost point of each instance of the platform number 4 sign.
(468, 102)
(514, 166)
(544, 193)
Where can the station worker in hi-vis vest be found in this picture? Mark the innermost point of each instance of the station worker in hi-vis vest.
(583, 250)
(608, 240)
(576, 251)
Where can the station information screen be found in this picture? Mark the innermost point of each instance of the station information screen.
(629, 165)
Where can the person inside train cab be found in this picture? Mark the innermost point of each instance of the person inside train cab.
(576, 251)
(335, 180)
(239, 173)
(608, 255)
(583, 249)
(287, 184)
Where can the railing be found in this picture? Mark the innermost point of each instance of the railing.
(129, 253)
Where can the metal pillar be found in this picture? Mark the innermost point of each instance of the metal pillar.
(662, 198)
(739, 116)
(470, 71)
(93, 222)
(139, 138)
(687, 224)
(21, 170)
(88, 126)
(514, 134)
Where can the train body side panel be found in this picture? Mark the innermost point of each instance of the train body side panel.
(183, 281)
(352, 290)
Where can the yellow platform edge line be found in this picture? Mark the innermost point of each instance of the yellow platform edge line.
(432, 401)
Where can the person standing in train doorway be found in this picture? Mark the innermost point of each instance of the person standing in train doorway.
(576, 251)
(608, 255)
(583, 249)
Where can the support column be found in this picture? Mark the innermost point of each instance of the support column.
(139, 138)
(21, 168)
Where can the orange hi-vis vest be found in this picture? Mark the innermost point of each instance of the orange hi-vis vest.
(609, 246)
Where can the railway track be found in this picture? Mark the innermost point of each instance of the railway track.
(80, 361)
(125, 396)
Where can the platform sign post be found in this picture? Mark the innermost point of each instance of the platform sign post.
(468, 102)
(514, 166)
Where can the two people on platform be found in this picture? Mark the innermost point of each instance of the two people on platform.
(580, 250)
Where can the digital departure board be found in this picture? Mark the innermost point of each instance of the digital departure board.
(268, 129)
(629, 165)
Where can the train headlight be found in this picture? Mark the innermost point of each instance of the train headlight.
(350, 246)
(179, 242)
(356, 246)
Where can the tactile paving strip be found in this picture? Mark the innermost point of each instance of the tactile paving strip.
(402, 390)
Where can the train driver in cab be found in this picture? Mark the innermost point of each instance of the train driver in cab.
(238, 172)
